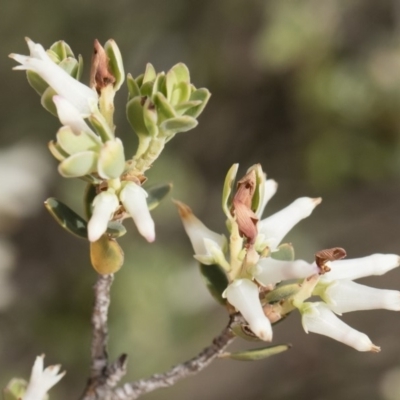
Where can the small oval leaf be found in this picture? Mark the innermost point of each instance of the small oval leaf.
(256, 354)
(285, 252)
(215, 280)
(67, 218)
(115, 229)
(179, 124)
(156, 193)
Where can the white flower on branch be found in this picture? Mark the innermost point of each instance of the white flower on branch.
(133, 198)
(83, 98)
(276, 227)
(318, 318)
(104, 206)
(42, 380)
(244, 296)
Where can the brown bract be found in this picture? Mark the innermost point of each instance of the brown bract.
(241, 207)
(100, 74)
(323, 256)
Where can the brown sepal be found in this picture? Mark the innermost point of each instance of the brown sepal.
(323, 256)
(100, 74)
(241, 207)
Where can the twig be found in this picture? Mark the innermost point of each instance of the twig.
(132, 391)
(103, 376)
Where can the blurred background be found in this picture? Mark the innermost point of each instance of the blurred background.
(310, 89)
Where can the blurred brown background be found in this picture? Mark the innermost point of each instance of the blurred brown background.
(310, 89)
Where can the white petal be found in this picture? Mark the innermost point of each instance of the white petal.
(318, 318)
(41, 381)
(80, 95)
(376, 264)
(104, 206)
(71, 117)
(345, 296)
(270, 188)
(270, 271)
(243, 295)
(197, 231)
(275, 227)
(133, 197)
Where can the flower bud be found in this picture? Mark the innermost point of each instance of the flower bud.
(104, 206)
(133, 197)
(243, 295)
(41, 380)
(318, 318)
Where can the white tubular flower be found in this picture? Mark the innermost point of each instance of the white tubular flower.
(346, 296)
(318, 318)
(203, 239)
(70, 116)
(81, 96)
(376, 264)
(275, 227)
(133, 197)
(42, 380)
(270, 271)
(270, 188)
(104, 206)
(243, 295)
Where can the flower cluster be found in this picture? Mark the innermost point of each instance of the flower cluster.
(159, 106)
(264, 282)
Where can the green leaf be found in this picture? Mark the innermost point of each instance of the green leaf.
(139, 80)
(72, 143)
(244, 332)
(156, 193)
(147, 89)
(282, 293)
(79, 164)
(134, 113)
(62, 50)
(149, 74)
(111, 162)
(181, 72)
(179, 124)
(133, 87)
(227, 190)
(183, 107)
(150, 117)
(15, 389)
(116, 64)
(285, 252)
(181, 93)
(36, 82)
(159, 84)
(70, 66)
(202, 95)
(90, 194)
(100, 125)
(67, 218)
(56, 150)
(164, 109)
(215, 280)
(79, 71)
(47, 101)
(256, 354)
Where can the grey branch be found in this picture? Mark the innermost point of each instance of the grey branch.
(103, 376)
(134, 390)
